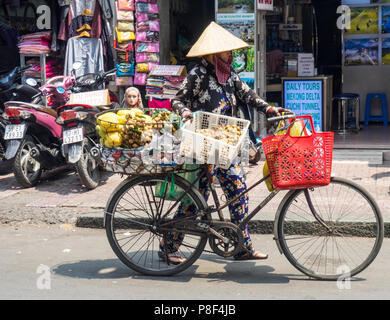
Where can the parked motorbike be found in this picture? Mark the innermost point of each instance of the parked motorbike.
(10, 89)
(255, 143)
(78, 122)
(33, 137)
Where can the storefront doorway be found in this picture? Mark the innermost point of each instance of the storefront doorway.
(188, 19)
(312, 28)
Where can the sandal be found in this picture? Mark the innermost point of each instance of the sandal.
(250, 254)
(173, 257)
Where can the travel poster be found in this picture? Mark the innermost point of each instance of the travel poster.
(236, 6)
(364, 20)
(244, 64)
(361, 52)
(243, 26)
(386, 51)
(386, 19)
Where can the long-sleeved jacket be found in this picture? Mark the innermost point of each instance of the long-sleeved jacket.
(202, 91)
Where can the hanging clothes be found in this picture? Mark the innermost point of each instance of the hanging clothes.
(88, 51)
(83, 19)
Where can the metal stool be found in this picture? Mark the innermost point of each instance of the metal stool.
(348, 111)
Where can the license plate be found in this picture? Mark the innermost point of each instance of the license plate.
(72, 136)
(14, 131)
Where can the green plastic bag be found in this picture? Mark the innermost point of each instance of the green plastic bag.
(169, 188)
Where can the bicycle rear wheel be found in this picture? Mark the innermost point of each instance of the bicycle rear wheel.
(347, 244)
(133, 218)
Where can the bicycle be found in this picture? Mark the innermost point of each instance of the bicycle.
(318, 229)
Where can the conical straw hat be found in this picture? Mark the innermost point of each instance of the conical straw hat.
(215, 39)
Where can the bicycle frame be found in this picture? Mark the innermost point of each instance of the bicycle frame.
(204, 171)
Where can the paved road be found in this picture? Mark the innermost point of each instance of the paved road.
(81, 265)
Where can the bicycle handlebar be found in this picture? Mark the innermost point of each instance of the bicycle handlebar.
(290, 115)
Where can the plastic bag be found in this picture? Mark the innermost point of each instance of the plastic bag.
(143, 7)
(140, 78)
(124, 36)
(169, 189)
(146, 16)
(126, 26)
(127, 46)
(147, 47)
(124, 81)
(126, 5)
(124, 69)
(150, 25)
(125, 15)
(147, 57)
(147, 36)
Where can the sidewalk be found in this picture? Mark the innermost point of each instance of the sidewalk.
(61, 198)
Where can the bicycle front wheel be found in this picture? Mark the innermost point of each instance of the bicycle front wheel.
(134, 218)
(345, 238)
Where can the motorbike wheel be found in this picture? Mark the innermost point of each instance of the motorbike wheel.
(27, 170)
(88, 168)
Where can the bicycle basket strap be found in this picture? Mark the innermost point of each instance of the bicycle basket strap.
(303, 118)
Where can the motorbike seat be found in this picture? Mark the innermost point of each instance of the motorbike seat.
(31, 106)
(7, 80)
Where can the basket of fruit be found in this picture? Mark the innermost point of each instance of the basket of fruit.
(138, 141)
(213, 138)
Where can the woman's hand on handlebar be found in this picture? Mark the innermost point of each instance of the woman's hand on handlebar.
(186, 115)
(276, 111)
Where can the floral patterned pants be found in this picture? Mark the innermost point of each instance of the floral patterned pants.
(232, 183)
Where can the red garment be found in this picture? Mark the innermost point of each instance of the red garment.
(222, 68)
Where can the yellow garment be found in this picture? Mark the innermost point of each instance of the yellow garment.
(142, 67)
(123, 36)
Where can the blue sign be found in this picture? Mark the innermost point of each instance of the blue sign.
(304, 97)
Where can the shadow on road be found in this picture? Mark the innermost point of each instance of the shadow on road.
(62, 181)
(244, 272)
(239, 272)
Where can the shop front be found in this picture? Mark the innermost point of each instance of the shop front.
(299, 56)
(339, 52)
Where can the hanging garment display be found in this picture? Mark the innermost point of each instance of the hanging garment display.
(88, 51)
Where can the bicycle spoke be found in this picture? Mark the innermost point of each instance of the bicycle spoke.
(139, 209)
(353, 236)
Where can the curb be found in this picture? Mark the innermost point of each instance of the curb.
(255, 226)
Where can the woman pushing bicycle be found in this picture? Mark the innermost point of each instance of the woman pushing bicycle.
(158, 222)
(213, 86)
